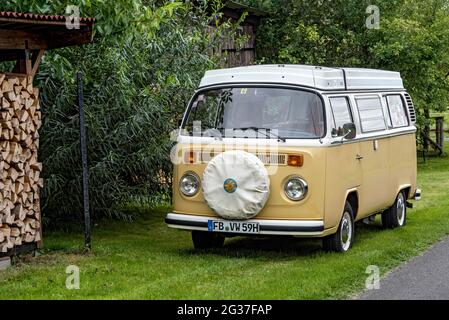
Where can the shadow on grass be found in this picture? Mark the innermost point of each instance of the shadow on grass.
(261, 248)
(366, 232)
(278, 247)
(77, 250)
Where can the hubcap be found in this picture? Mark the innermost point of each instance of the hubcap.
(346, 231)
(400, 209)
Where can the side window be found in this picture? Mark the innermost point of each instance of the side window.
(397, 111)
(341, 113)
(385, 106)
(371, 114)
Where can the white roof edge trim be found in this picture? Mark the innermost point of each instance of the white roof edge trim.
(321, 78)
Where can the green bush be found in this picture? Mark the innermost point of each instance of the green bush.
(138, 78)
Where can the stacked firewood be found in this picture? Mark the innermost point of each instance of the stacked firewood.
(20, 181)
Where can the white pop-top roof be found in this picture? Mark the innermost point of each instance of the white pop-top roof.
(322, 78)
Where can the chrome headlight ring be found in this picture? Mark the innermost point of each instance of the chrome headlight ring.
(296, 188)
(189, 184)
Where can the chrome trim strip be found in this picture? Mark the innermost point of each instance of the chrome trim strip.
(357, 91)
(315, 143)
(375, 137)
(267, 227)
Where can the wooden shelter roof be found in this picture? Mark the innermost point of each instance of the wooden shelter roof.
(234, 10)
(25, 36)
(20, 31)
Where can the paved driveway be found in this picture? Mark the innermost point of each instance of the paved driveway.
(424, 277)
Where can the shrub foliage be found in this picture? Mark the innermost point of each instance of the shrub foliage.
(138, 78)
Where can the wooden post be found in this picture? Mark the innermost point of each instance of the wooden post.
(426, 131)
(439, 132)
(87, 224)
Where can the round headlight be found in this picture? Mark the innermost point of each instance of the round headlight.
(189, 184)
(295, 189)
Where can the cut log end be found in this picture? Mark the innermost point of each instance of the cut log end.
(20, 181)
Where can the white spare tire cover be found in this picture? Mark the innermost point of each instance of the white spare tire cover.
(236, 185)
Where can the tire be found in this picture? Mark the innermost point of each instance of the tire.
(342, 240)
(207, 240)
(396, 215)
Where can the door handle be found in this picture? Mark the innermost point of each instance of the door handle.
(359, 157)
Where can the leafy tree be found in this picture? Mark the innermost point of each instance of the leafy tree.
(413, 39)
(139, 74)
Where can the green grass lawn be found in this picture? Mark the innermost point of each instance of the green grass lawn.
(146, 260)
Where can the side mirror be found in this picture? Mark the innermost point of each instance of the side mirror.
(349, 130)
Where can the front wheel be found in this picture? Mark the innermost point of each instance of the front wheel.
(207, 240)
(396, 215)
(342, 240)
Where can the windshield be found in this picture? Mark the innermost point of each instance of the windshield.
(256, 112)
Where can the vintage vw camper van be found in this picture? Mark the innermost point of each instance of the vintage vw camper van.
(294, 150)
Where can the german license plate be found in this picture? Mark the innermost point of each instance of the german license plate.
(233, 226)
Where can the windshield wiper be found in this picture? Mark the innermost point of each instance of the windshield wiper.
(268, 130)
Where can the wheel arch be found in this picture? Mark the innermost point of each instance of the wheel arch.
(407, 188)
(352, 196)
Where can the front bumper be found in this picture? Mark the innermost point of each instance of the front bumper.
(308, 228)
(417, 195)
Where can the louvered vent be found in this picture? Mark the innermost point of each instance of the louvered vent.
(267, 159)
(411, 108)
(271, 159)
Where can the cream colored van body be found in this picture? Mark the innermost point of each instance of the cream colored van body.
(369, 172)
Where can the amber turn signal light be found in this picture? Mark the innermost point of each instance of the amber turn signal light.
(189, 157)
(295, 160)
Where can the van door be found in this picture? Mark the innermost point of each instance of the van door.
(374, 156)
(376, 186)
(344, 172)
(343, 169)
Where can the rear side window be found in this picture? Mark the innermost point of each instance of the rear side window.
(371, 114)
(340, 111)
(397, 111)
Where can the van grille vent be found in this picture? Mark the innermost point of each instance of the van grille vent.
(411, 108)
(271, 159)
(266, 158)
